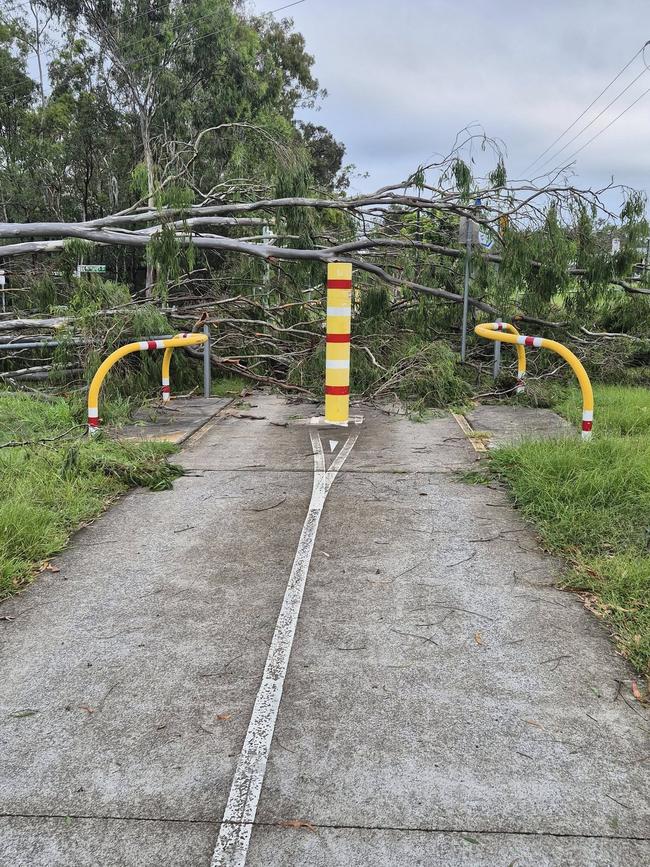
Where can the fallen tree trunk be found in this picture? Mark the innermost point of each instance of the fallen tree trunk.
(240, 370)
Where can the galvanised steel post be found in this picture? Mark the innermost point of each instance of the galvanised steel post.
(468, 256)
(497, 355)
(207, 370)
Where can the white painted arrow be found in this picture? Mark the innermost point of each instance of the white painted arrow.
(333, 444)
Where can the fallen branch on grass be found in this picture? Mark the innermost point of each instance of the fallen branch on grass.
(16, 444)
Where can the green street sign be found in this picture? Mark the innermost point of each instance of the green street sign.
(91, 269)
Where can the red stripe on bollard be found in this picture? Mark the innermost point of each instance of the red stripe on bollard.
(338, 338)
(166, 389)
(587, 425)
(339, 284)
(337, 389)
(93, 422)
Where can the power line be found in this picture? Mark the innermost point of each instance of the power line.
(605, 128)
(591, 104)
(593, 121)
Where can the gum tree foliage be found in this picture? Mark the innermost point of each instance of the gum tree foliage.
(132, 86)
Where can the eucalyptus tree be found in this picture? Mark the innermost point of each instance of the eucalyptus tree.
(17, 92)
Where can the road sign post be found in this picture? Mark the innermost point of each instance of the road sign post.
(337, 348)
(497, 355)
(207, 371)
(468, 257)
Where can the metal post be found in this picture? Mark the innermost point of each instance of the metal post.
(337, 345)
(497, 355)
(207, 371)
(463, 337)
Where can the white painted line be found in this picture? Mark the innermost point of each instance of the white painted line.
(238, 818)
(333, 445)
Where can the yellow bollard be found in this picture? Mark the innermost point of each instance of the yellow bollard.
(337, 353)
(139, 346)
(488, 330)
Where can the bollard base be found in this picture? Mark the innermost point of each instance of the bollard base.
(321, 422)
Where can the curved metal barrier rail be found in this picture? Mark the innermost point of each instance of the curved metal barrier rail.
(168, 344)
(521, 354)
(165, 390)
(498, 331)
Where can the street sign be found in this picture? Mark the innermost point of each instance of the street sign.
(463, 231)
(485, 239)
(91, 269)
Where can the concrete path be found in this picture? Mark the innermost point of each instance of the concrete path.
(443, 704)
(172, 422)
(511, 424)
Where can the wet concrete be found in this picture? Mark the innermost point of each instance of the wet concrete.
(511, 424)
(174, 421)
(444, 703)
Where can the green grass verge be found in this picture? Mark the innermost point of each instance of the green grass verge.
(591, 503)
(618, 409)
(47, 490)
(230, 386)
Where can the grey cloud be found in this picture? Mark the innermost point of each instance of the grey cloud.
(404, 77)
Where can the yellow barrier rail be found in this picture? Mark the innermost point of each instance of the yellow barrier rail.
(165, 390)
(521, 355)
(498, 331)
(168, 344)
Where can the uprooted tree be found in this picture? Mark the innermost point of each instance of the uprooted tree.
(237, 217)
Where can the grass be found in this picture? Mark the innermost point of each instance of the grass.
(47, 490)
(591, 503)
(619, 409)
(229, 386)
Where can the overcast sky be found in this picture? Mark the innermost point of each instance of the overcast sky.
(404, 76)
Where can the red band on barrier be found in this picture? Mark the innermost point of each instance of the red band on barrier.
(337, 389)
(587, 425)
(93, 422)
(338, 338)
(151, 344)
(529, 341)
(166, 389)
(339, 284)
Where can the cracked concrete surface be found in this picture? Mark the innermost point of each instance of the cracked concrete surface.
(444, 704)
